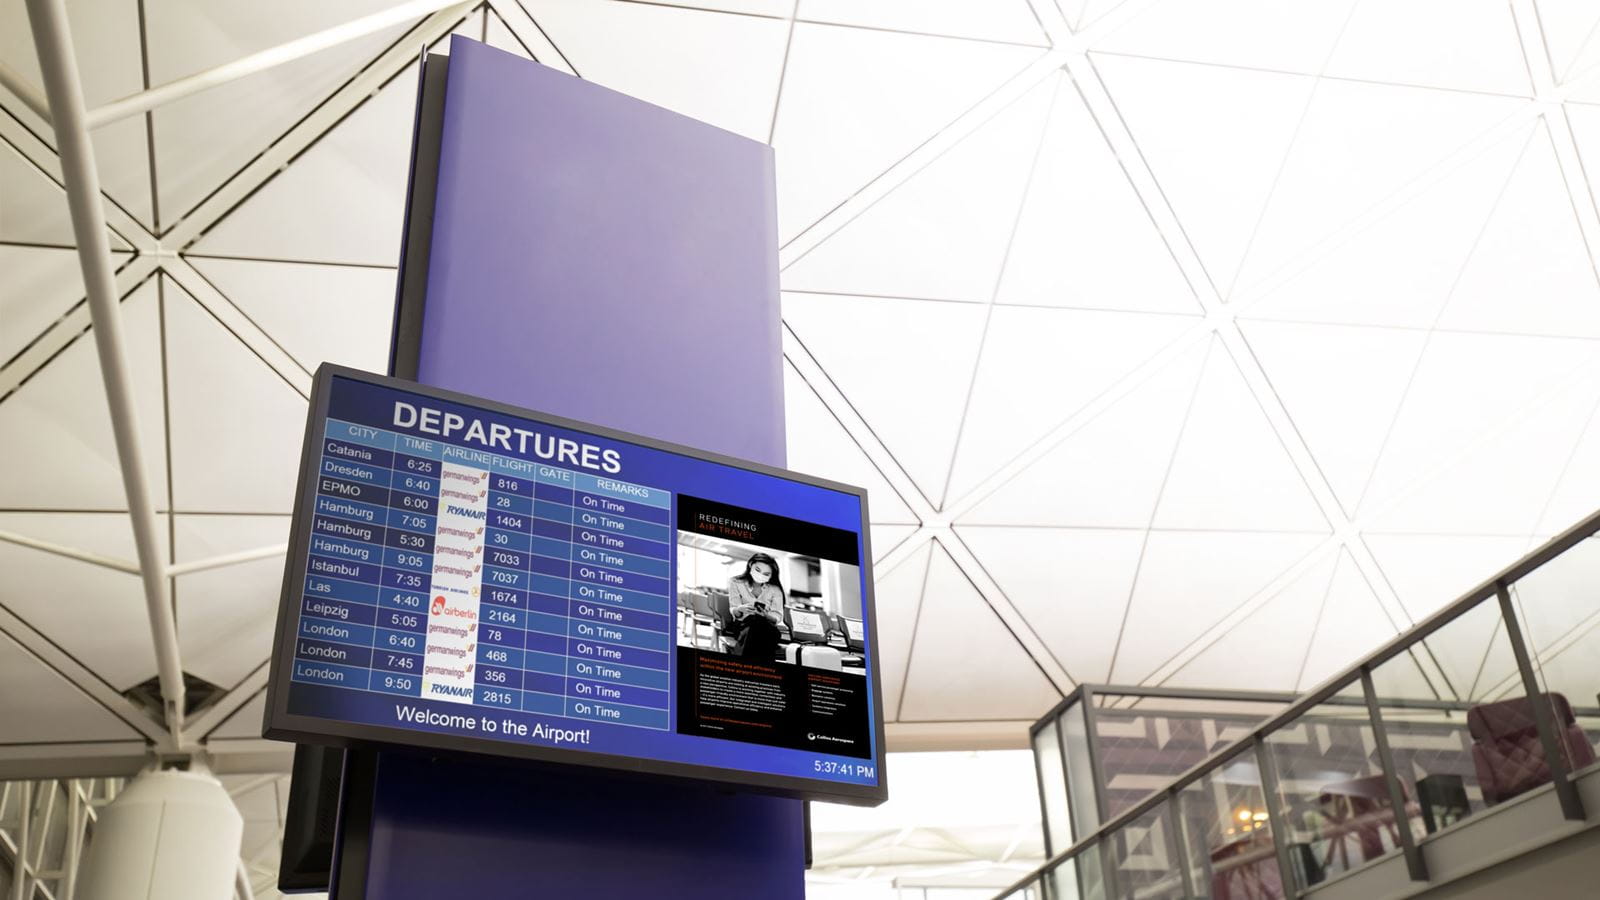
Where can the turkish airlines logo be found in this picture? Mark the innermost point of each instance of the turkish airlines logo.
(438, 604)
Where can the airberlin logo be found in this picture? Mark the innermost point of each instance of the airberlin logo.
(438, 604)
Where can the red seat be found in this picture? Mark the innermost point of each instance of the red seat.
(1506, 749)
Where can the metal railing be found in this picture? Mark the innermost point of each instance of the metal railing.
(1247, 820)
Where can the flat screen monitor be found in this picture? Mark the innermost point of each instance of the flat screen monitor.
(466, 576)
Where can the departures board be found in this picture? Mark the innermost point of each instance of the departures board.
(470, 577)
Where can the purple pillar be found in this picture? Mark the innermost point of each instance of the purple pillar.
(576, 251)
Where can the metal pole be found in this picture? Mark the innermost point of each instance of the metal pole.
(1416, 866)
(70, 854)
(1178, 845)
(1554, 753)
(53, 41)
(96, 559)
(21, 875)
(144, 101)
(227, 559)
(1268, 771)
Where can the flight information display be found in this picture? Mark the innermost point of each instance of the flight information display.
(468, 576)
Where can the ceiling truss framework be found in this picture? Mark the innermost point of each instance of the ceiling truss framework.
(1030, 532)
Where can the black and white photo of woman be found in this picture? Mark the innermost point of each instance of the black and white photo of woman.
(755, 600)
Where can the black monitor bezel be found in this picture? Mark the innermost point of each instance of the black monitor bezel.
(280, 724)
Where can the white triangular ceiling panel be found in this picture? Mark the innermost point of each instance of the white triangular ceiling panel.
(1269, 646)
(93, 613)
(865, 347)
(1341, 386)
(1231, 470)
(1215, 139)
(1530, 271)
(1000, 20)
(106, 41)
(204, 138)
(1249, 34)
(965, 663)
(1577, 494)
(57, 426)
(943, 233)
(1190, 580)
(717, 68)
(1084, 237)
(1466, 45)
(1109, 471)
(1502, 484)
(886, 538)
(340, 314)
(819, 445)
(226, 616)
(1350, 623)
(1359, 145)
(1400, 268)
(342, 201)
(43, 707)
(33, 208)
(500, 36)
(1039, 366)
(1572, 34)
(1075, 602)
(235, 447)
(42, 283)
(855, 101)
(898, 595)
(1585, 122)
(1467, 385)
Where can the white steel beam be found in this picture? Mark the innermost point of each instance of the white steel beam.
(146, 100)
(218, 562)
(108, 562)
(309, 129)
(52, 39)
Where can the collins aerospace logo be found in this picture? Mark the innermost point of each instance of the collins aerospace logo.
(438, 604)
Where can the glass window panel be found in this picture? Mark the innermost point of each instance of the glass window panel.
(1061, 883)
(1144, 747)
(1331, 792)
(1558, 605)
(1142, 861)
(1427, 697)
(1229, 845)
(1053, 788)
(1080, 774)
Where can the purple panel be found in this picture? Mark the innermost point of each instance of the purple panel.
(453, 829)
(601, 258)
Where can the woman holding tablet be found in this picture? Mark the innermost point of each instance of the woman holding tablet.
(755, 600)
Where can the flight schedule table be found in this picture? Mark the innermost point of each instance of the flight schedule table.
(454, 574)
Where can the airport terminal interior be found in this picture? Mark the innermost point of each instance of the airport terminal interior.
(1223, 377)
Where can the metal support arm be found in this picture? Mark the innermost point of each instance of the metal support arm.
(53, 40)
